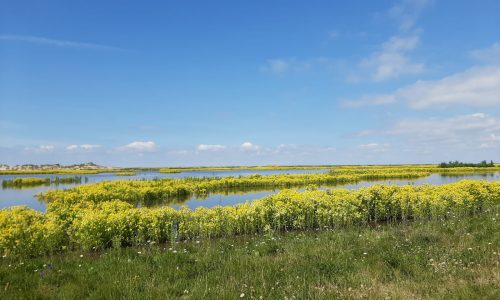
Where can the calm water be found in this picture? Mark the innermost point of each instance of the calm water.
(26, 196)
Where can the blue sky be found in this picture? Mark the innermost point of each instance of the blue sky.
(169, 83)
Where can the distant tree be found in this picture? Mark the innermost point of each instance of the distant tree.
(457, 164)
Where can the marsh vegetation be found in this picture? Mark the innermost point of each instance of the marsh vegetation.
(35, 181)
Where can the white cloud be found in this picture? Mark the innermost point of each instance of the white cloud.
(491, 141)
(55, 42)
(40, 149)
(205, 147)
(139, 146)
(251, 154)
(470, 137)
(88, 146)
(471, 131)
(46, 147)
(247, 146)
(392, 60)
(488, 55)
(396, 43)
(477, 87)
(492, 138)
(451, 127)
(82, 147)
(376, 147)
(255, 150)
(406, 12)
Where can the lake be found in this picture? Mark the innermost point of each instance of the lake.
(26, 196)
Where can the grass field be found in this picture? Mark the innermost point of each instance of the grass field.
(452, 259)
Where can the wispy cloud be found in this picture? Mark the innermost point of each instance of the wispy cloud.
(276, 66)
(56, 42)
(283, 66)
(442, 127)
(40, 149)
(375, 147)
(85, 147)
(488, 55)
(393, 60)
(477, 130)
(369, 100)
(491, 141)
(246, 150)
(407, 12)
(479, 86)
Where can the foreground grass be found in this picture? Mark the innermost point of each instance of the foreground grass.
(453, 259)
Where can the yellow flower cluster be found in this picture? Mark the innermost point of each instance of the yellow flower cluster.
(28, 232)
(105, 222)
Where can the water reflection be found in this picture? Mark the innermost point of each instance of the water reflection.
(228, 196)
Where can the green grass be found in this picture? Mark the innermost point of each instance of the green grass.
(452, 259)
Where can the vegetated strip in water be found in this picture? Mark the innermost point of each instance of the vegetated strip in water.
(125, 173)
(418, 168)
(92, 225)
(34, 181)
(242, 168)
(151, 192)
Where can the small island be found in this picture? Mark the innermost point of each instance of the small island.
(125, 173)
(34, 181)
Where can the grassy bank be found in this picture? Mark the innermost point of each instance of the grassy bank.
(454, 259)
